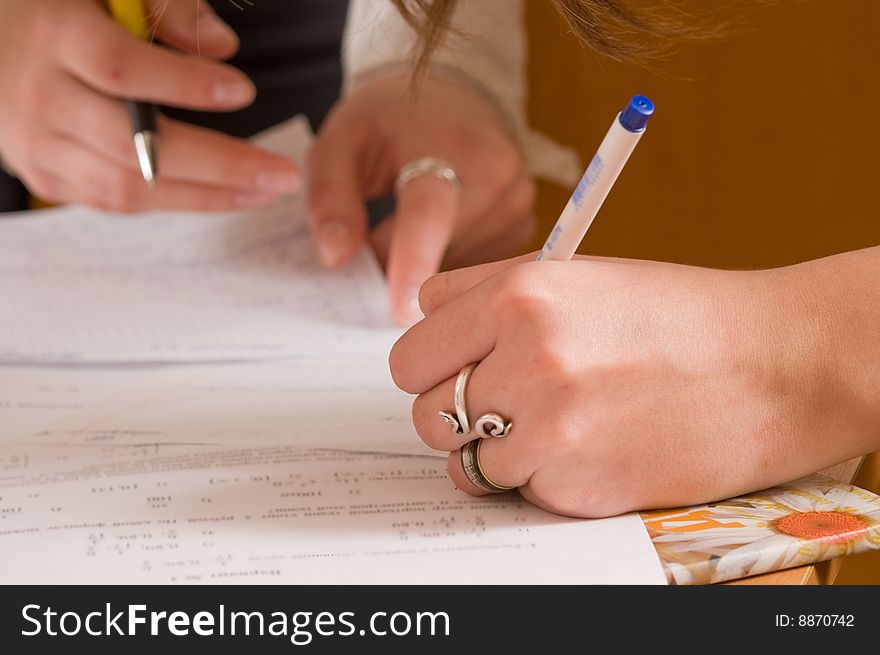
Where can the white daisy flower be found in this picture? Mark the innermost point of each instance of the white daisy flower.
(811, 520)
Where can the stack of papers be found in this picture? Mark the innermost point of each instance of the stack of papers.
(193, 398)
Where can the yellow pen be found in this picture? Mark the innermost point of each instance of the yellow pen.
(132, 15)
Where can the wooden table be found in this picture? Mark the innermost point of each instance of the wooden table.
(863, 472)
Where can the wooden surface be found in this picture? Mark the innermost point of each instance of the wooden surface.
(755, 157)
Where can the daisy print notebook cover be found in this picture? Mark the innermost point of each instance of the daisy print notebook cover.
(811, 520)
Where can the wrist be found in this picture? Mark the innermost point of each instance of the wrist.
(829, 356)
(401, 74)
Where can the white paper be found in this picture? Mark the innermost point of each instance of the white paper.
(338, 402)
(286, 515)
(80, 286)
(165, 381)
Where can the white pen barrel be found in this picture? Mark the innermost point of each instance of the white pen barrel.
(590, 192)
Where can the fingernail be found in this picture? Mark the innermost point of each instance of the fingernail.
(278, 181)
(408, 312)
(247, 199)
(333, 242)
(213, 29)
(232, 92)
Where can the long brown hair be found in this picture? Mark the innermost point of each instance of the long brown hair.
(615, 28)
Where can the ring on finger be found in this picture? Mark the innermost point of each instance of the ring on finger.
(500, 427)
(470, 463)
(459, 421)
(427, 166)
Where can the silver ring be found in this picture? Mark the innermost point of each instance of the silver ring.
(500, 427)
(459, 421)
(427, 166)
(470, 464)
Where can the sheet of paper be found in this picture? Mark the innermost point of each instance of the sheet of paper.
(80, 286)
(165, 383)
(343, 402)
(127, 515)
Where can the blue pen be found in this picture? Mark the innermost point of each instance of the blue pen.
(591, 191)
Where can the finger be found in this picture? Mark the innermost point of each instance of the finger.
(423, 223)
(186, 153)
(457, 334)
(197, 154)
(443, 288)
(501, 460)
(192, 26)
(96, 180)
(99, 52)
(336, 198)
(488, 389)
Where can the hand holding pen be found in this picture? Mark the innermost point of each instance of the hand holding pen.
(64, 128)
(615, 385)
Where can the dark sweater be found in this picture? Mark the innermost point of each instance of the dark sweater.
(289, 48)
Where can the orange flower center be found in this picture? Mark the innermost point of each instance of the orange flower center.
(828, 527)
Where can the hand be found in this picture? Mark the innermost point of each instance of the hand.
(386, 124)
(65, 65)
(635, 385)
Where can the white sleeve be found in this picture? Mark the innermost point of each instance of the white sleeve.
(487, 47)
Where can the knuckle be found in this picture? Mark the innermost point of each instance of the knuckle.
(550, 363)
(434, 288)
(521, 294)
(107, 64)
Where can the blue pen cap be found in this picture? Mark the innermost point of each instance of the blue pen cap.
(635, 117)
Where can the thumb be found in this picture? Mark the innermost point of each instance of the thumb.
(192, 27)
(336, 203)
(445, 287)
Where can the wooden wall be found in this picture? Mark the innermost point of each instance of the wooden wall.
(763, 150)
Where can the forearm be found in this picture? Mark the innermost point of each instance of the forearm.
(838, 300)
